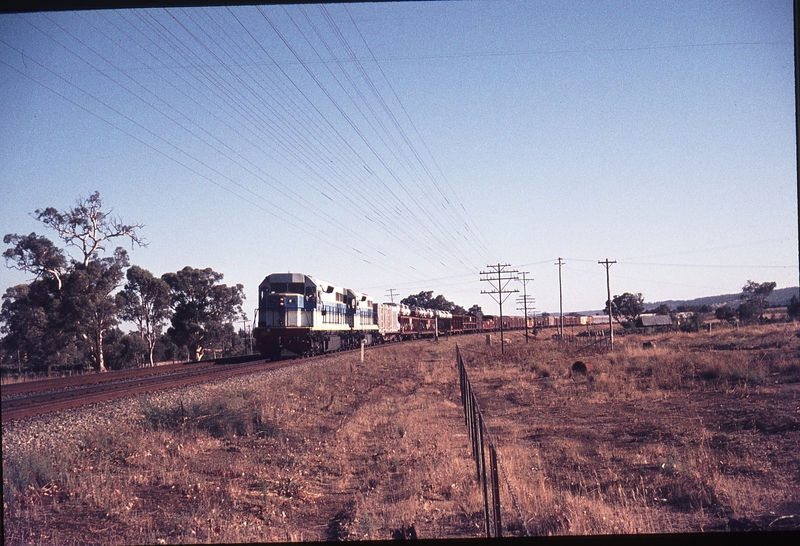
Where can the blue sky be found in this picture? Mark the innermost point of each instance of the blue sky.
(410, 145)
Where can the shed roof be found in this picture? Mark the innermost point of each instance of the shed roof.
(655, 320)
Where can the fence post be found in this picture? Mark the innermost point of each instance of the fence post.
(498, 527)
(476, 426)
(482, 477)
(477, 437)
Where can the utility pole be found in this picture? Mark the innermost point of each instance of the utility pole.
(248, 331)
(525, 300)
(252, 327)
(391, 294)
(608, 263)
(499, 279)
(560, 301)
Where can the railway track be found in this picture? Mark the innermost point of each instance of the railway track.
(76, 381)
(51, 395)
(32, 398)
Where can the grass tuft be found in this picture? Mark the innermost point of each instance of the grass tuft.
(224, 415)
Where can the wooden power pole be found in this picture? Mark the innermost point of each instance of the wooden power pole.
(608, 263)
(525, 300)
(499, 278)
(560, 301)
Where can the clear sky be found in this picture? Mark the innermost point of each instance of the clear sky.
(408, 146)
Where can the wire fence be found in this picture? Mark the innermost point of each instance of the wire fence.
(482, 441)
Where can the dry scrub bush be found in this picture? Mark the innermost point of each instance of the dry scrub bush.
(227, 414)
(169, 479)
(586, 506)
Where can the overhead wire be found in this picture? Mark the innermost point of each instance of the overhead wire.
(370, 146)
(476, 234)
(133, 136)
(399, 214)
(330, 240)
(307, 68)
(413, 165)
(281, 188)
(263, 107)
(394, 149)
(221, 61)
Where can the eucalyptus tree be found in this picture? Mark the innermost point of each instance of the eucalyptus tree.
(82, 303)
(426, 300)
(626, 306)
(35, 254)
(204, 310)
(145, 301)
(87, 228)
(89, 303)
(754, 296)
(35, 336)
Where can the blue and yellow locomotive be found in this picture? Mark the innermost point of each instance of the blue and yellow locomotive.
(304, 316)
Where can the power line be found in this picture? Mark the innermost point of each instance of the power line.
(201, 60)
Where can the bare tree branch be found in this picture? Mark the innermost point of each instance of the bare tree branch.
(86, 227)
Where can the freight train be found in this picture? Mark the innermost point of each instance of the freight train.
(299, 315)
(551, 321)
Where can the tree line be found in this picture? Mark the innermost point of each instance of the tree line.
(426, 300)
(68, 316)
(627, 308)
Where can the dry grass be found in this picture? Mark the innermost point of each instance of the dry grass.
(338, 450)
(699, 432)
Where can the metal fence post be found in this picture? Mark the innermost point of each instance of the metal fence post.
(477, 429)
(482, 476)
(498, 527)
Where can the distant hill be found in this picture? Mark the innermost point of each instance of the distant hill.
(779, 298)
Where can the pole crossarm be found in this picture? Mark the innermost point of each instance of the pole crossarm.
(500, 277)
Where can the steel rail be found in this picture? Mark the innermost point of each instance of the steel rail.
(95, 378)
(47, 402)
